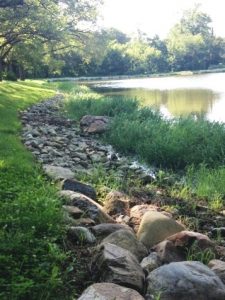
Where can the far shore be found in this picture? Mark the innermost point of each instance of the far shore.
(119, 77)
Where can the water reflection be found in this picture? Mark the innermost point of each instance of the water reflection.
(200, 95)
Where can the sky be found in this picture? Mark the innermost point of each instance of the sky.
(157, 16)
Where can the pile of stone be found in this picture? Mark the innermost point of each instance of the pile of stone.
(140, 251)
(60, 142)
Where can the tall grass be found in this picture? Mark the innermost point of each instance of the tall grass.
(145, 133)
(178, 144)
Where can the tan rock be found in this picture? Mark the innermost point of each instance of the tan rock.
(155, 227)
(91, 208)
(116, 203)
(109, 291)
(218, 267)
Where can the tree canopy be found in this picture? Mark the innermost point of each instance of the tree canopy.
(42, 38)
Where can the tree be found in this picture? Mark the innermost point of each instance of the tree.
(56, 24)
(11, 3)
(191, 43)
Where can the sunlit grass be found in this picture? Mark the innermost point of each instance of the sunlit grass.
(30, 212)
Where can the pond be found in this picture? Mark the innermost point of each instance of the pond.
(175, 95)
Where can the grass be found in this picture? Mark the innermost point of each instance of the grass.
(30, 212)
(192, 147)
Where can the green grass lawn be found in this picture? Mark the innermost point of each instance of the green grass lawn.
(30, 212)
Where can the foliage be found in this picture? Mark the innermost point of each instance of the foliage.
(48, 26)
(30, 212)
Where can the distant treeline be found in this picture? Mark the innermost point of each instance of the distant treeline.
(190, 45)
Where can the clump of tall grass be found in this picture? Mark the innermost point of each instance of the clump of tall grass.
(172, 144)
(85, 102)
(143, 132)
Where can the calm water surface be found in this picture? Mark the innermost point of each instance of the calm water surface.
(175, 96)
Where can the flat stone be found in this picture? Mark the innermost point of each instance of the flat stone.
(117, 265)
(185, 281)
(109, 291)
(127, 240)
(103, 230)
(155, 227)
(91, 208)
(79, 187)
(58, 173)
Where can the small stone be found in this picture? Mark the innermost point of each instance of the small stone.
(58, 173)
(116, 203)
(151, 262)
(74, 211)
(81, 235)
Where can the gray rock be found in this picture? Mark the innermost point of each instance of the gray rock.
(218, 266)
(58, 173)
(127, 240)
(94, 124)
(185, 281)
(79, 187)
(81, 235)
(74, 211)
(116, 203)
(155, 227)
(91, 208)
(151, 262)
(117, 265)
(103, 230)
(109, 291)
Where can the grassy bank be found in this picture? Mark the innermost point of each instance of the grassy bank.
(30, 214)
(193, 148)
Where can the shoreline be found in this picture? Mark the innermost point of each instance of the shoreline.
(119, 77)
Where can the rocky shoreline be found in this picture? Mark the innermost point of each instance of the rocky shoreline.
(139, 251)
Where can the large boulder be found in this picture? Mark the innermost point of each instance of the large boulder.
(94, 124)
(218, 266)
(127, 240)
(79, 187)
(58, 173)
(117, 265)
(155, 227)
(109, 291)
(91, 208)
(185, 281)
(116, 203)
(183, 244)
(105, 229)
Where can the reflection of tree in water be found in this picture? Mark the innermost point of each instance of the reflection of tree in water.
(179, 102)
